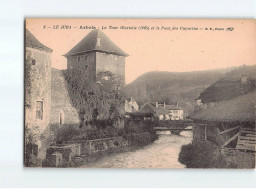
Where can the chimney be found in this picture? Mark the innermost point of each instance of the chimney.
(177, 104)
(243, 79)
(164, 104)
(156, 104)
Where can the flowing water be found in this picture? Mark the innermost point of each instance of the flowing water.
(162, 153)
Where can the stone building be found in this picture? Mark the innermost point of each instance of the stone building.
(48, 104)
(175, 112)
(37, 91)
(97, 53)
(156, 109)
(131, 105)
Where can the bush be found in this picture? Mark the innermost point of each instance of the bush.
(202, 154)
(138, 139)
(90, 132)
(137, 127)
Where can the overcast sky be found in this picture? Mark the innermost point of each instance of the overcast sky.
(158, 50)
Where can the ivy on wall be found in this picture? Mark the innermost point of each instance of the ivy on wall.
(96, 100)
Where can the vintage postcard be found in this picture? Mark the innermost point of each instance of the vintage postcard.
(140, 93)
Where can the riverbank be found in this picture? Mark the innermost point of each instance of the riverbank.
(76, 153)
(162, 153)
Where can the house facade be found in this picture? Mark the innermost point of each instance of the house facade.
(175, 112)
(131, 105)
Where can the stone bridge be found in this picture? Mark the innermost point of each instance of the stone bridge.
(175, 126)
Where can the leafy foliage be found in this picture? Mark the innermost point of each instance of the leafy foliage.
(202, 154)
(100, 103)
(28, 64)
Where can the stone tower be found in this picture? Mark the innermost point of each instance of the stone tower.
(37, 89)
(97, 53)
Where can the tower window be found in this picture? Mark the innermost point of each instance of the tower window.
(33, 62)
(85, 57)
(39, 110)
(61, 121)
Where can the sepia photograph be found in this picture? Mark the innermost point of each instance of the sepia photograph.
(139, 93)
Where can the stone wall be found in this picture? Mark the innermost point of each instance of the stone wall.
(73, 153)
(101, 145)
(60, 155)
(84, 62)
(40, 91)
(69, 152)
(95, 62)
(61, 104)
(111, 63)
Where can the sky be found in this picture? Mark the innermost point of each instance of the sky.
(176, 46)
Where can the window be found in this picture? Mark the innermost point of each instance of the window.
(33, 62)
(61, 118)
(78, 58)
(86, 67)
(39, 110)
(85, 57)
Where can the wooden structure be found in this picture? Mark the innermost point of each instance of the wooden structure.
(230, 124)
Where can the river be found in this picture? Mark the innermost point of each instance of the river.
(162, 153)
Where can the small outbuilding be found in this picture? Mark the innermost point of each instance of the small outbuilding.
(156, 109)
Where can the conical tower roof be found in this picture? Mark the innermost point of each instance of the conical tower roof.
(96, 40)
(31, 41)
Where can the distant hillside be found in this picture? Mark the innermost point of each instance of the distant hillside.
(250, 71)
(181, 87)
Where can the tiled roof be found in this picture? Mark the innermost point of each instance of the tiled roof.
(151, 108)
(241, 108)
(227, 88)
(89, 43)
